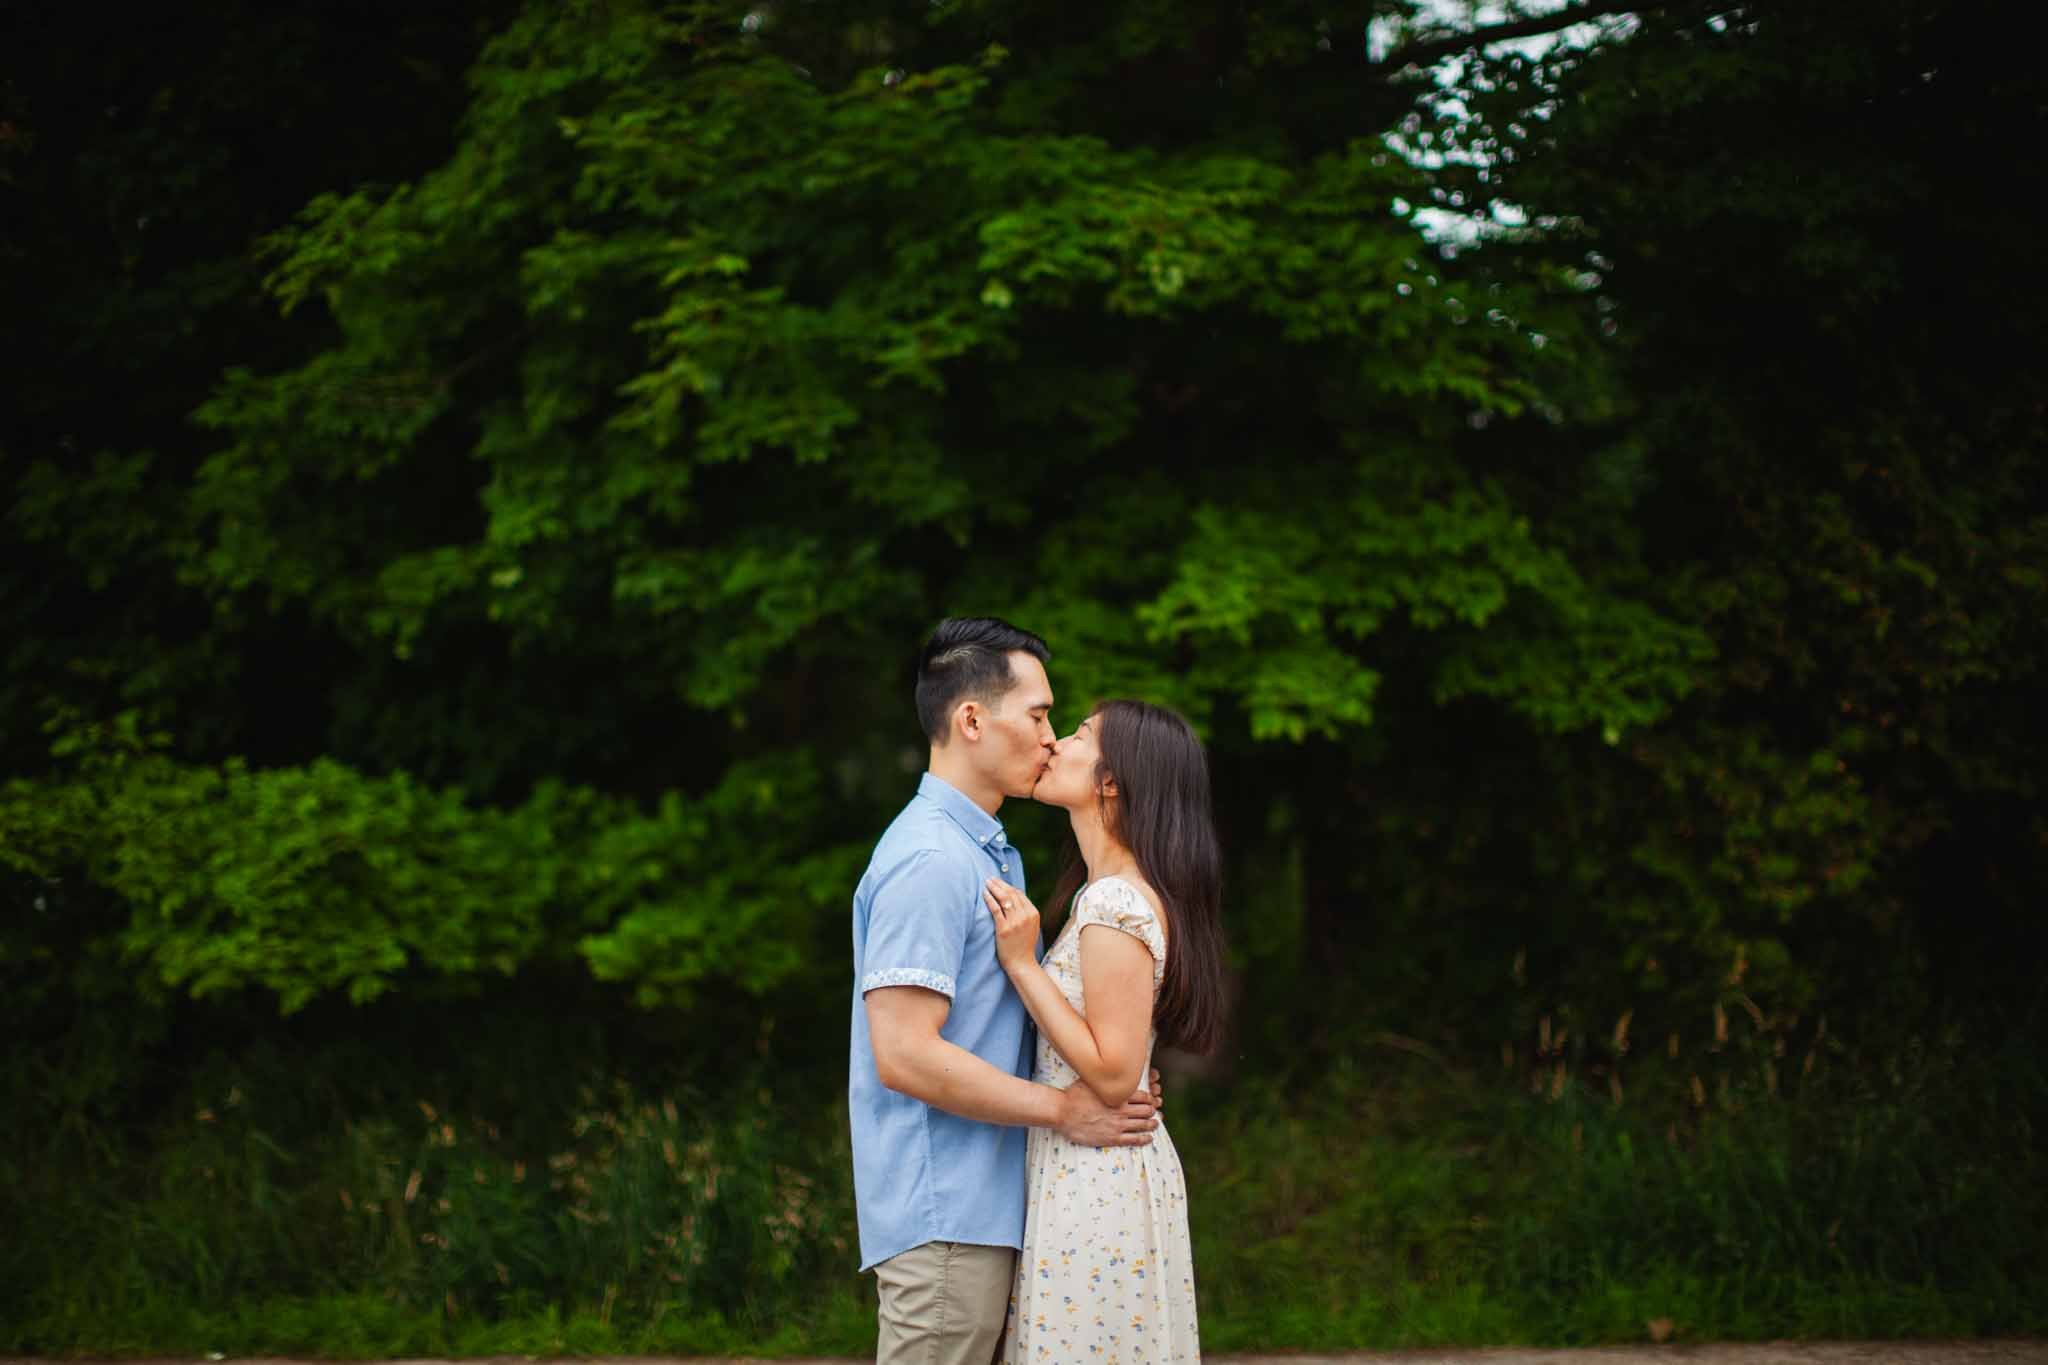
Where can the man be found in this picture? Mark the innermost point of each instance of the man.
(938, 1084)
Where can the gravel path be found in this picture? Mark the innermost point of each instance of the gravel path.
(1767, 1353)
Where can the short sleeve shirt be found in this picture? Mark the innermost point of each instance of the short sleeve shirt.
(920, 1174)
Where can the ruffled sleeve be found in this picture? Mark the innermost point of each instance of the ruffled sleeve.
(1116, 904)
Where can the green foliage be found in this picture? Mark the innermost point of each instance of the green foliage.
(1390, 1204)
(652, 195)
(465, 548)
(318, 878)
(255, 1192)
(689, 388)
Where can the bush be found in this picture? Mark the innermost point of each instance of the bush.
(450, 1199)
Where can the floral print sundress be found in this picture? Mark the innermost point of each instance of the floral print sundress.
(1107, 1274)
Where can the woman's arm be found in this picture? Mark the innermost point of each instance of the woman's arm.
(1107, 1047)
(912, 1058)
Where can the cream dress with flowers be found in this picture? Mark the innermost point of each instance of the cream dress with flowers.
(1106, 1274)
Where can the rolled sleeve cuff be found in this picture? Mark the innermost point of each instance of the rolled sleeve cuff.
(908, 976)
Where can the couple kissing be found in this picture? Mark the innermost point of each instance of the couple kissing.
(1019, 1198)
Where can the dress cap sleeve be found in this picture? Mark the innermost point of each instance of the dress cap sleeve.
(1116, 904)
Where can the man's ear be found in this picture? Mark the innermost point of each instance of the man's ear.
(967, 720)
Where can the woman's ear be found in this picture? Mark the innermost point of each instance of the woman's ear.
(1107, 789)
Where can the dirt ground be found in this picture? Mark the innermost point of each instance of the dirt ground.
(1767, 1353)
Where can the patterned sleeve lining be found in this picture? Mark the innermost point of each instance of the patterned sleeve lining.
(908, 976)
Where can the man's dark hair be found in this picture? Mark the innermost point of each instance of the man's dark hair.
(968, 657)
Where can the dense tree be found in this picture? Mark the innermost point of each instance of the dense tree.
(1643, 595)
(665, 413)
(1792, 221)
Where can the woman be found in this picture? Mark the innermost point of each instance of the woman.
(1106, 1271)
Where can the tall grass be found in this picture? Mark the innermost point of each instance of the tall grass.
(245, 1219)
(369, 1201)
(1896, 1192)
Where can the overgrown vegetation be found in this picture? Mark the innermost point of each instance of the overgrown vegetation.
(447, 1199)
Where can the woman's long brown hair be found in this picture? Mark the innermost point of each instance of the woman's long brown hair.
(1162, 814)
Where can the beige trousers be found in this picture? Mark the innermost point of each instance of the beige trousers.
(943, 1304)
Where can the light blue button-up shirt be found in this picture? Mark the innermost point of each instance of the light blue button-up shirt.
(920, 1174)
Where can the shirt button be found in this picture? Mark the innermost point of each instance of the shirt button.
(1006, 867)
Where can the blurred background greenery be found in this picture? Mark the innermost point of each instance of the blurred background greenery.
(476, 476)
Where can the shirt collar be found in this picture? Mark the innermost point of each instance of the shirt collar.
(981, 827)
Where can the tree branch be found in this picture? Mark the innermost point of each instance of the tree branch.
(1429, 51)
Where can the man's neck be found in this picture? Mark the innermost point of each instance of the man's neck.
(961, 778)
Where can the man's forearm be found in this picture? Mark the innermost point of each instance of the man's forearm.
(949, 1077)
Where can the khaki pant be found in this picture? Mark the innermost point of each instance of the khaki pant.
(943, 1304)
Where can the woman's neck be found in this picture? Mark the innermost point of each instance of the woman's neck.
(1104, 854)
